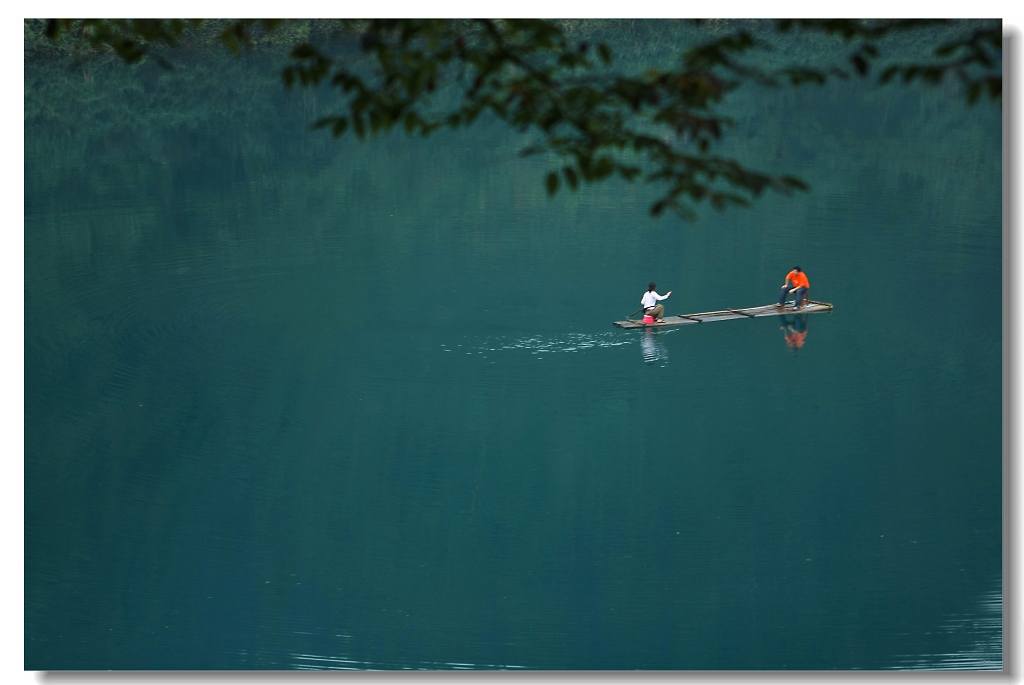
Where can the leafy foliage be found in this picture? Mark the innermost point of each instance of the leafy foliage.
(548, 79)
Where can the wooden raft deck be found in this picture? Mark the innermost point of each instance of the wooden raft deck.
(727, 314)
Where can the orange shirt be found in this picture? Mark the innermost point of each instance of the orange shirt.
(798, 279)
(795, 339)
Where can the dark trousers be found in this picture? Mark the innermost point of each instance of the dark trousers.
(798, 323)
(799, 295)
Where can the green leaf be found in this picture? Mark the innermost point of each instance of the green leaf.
(982, 56)
(603, 168)
(378, 120)
(629, 172)
(794, 182)
(53, 29)
(304, 51)
(552, 183)
(230, 40)
(571, 177)
(411, 122)
(973, 91)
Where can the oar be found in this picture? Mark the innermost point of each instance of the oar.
(634, 313)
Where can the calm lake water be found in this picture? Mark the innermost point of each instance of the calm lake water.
(295, 403)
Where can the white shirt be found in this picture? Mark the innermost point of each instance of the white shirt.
(651, 298)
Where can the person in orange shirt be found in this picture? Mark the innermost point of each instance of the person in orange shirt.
(796, 282)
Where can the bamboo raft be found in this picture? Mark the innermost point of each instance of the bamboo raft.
(811, 307)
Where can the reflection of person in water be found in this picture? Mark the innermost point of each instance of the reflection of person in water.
(795, 331)
(653, 349)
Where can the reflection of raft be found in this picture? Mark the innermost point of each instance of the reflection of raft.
(724, 315)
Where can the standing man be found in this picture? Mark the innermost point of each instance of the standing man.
(796, 282)
(650, 303)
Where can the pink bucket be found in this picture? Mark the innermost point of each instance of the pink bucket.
(648, 318)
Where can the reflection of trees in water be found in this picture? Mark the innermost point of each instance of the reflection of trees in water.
(217, 147)
(237, 116)
(409, 65)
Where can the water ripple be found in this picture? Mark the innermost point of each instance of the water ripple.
(315, 662)
(985, 629)
(549, 344)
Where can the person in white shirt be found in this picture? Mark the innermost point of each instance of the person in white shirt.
(650, 303)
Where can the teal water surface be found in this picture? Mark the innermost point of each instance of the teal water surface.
(294, 403)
